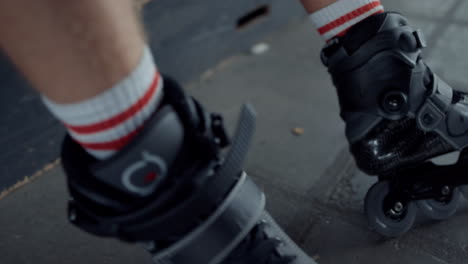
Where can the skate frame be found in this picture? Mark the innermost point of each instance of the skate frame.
(427, 181)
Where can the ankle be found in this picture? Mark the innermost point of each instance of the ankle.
(106, 123)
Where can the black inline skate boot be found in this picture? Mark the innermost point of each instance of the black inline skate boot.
(172, 190)
(403, 123)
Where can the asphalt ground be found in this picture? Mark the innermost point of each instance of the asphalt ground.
(312, 185)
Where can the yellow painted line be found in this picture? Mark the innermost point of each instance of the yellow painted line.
(28, 179)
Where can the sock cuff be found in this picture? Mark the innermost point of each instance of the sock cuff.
(338, 17)
(130, 89)
(105, 123)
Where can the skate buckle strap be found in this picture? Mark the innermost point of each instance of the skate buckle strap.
(434, 109)
(217, 236)
(224, 229)
(440, 115)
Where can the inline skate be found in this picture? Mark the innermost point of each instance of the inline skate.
(174, 191)
(403, 123)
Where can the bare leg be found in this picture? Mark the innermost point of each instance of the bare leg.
(88, 59)
(315, 5)
(71, 50)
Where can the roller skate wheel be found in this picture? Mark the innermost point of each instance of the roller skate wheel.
(440, 209)
(388, 218)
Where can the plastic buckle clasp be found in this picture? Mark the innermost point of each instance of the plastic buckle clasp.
(215, 139)
(420, 38)
(219, 131)
(328, 50)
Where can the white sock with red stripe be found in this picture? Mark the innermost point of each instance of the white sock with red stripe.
(335, 19)
(107, 122)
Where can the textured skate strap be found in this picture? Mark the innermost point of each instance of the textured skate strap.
(232, 165)
(215, 238)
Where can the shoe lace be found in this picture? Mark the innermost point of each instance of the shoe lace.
(258, 248)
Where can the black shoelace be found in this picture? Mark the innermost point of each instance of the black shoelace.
(258, 248)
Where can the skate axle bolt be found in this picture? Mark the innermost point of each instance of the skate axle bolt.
(149, 246)
(445, 190)
(72, 216)
(398, 207)
(428, 119)
(393, 102)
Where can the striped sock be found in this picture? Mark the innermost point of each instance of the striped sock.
(337, 18)
(107, 122)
